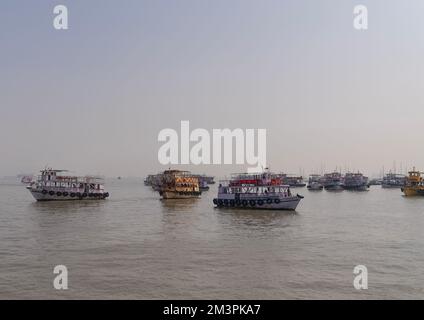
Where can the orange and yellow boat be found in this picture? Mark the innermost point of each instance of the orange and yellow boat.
(414, 184)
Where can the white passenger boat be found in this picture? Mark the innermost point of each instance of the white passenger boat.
(52, 185)
(256, 191)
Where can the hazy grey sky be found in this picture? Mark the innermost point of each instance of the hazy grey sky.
(94, 98)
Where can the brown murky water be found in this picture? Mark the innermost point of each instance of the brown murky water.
(135, 246)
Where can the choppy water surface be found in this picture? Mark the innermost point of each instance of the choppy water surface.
(135, 246)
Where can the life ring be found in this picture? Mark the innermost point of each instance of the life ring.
(44, 192)
(215, 201)
(277, 200)
(260, 202)
(244, 203)
(252, 203)
(269, 200)
(232, 203)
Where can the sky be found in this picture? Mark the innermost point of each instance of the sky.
(93, 98)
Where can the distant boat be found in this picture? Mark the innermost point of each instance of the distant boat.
(333, 181)
(177, 184)
(393, 180)
(203, 185)
(375, 182)
(205, 178)
(414, 184)
(292, 181)
(150, 179)
(355, 181)
(52, 185)
(26, 179)
(315, 182)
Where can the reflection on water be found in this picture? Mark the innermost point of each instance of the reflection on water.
(259, 218)
(63, 207)
(178, 205)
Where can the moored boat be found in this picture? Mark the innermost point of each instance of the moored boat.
(292, 181)
(315, 182)
(375, 182)
(203, 185)
(177, 184)
(393, 180)
(414, 184)
(355, 181)
(204, 181)
(149, 180)
(52, 185)
(333, 181)
(256, 191)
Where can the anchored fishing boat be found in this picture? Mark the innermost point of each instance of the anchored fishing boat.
(256, 191)
(52, 185)
(177, 184)
(414, 184)
(355, 181)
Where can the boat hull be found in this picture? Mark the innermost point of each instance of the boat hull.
(39, 196)
(411, 192)
(391, 186)
(286, 203)
(179, 195)
(356, 188)
(335, 187)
